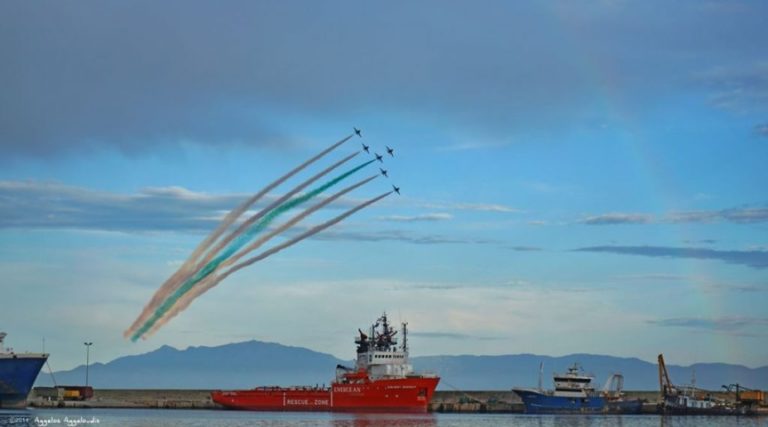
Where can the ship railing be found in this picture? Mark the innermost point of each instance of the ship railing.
(317, 387)
(424, 374)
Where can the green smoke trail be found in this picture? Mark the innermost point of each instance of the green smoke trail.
(238, 243)
(189, 265)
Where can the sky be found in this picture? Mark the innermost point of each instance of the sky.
(576, 177)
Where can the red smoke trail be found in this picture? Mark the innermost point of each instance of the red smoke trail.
(212, 280)
(187, 269)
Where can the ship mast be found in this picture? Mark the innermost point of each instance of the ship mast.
(405, 337)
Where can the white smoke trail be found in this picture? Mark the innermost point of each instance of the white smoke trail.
(171, 291)
(255, 217)
(186, 270)
(205, 284)
(213, 280)
(293, 221)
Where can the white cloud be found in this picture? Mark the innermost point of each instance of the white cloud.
(476, 145)
(741, 215)
(479, 207)
(35, 204)
(430, 217)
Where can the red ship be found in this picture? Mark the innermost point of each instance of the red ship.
(382, 381)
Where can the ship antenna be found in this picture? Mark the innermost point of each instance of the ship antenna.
(405, 337)
(541, 372)
(693, 378)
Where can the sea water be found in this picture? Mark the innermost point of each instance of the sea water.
(219, 418)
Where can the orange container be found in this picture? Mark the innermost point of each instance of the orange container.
(753, 395)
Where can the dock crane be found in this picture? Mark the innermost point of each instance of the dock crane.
(614, 386)
(667, 389)
(744, 395)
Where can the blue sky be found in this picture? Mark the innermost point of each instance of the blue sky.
(576, 177)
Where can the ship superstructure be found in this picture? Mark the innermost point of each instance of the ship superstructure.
(378, 353)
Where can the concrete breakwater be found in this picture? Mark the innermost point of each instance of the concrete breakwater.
(443, 401)
(131, 398)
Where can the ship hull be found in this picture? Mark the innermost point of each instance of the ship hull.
(17, 375)
(385, 395)
(699, 407)
(536, 402)
(626, 406)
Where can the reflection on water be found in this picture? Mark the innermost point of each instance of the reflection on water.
(211, 418)
(381, 420)
(705, 420)
(580, 420)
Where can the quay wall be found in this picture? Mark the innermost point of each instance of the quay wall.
(443, 401)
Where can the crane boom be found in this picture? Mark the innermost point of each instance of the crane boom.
(664, 382)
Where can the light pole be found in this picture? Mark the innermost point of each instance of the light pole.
(87, 359)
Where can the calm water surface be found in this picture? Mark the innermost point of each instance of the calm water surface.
(205, 418)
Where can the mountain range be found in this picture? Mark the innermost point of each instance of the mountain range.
(251, 363)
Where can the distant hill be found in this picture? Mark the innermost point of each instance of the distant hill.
(239, 365)
(251, 363)
(521, 370)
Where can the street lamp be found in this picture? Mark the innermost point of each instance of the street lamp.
(87, 359)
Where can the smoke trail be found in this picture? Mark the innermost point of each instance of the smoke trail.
(238, 243)
(208, 282)
(244, 237)
(189, 266)
(235, 213)
(241, 240)
(294, 221)
(312, 231)
(269, 209)
(293, 241)
(230, 218)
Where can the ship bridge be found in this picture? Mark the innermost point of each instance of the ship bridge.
(573, 383)
(378, 352)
